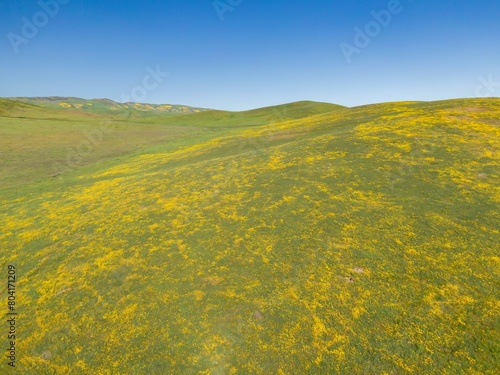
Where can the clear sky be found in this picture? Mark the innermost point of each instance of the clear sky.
(252, 53)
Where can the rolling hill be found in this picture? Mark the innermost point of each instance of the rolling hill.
(109, 107)
(60, 139)
(302, 239)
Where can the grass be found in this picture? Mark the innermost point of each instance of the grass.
(39, 143)
(353, 241)
(109, 107)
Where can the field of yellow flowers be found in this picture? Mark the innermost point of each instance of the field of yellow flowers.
(359, 241)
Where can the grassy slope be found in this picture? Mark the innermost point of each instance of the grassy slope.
(39, 142)
(361, 241)
(255, 117)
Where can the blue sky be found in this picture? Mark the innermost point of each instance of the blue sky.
(261, 53)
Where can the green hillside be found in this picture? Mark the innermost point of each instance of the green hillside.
(254, 117)
(301, 239)
(109, 107)
(21, 109)
(58, 139)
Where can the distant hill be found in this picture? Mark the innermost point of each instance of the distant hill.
(166, 114)
(255, 117)
(108, 107)
(11, 107)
